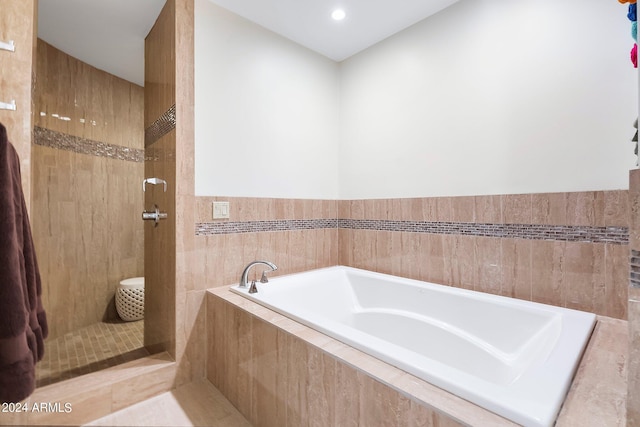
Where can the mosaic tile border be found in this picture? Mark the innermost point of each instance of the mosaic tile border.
(162, 126)
(634, 269)
(228, 227)
(569, 233)
(62, 141)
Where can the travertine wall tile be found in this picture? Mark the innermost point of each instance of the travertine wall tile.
(347, 404)
(517, 268)
(583, 275)
(434, 270)
(586, 208)
(124, 392)
(546, 265)
(488, 209)
(410, 259)
(634, 209)
(345, 247)
(87, 228)
(616, 294)
(616, 208)
(77, 99)
(544, 247)
(18, 22)
(84, 408)
(597, 395)
(549, 208)
(428, 208)
(244, 209)
(160, 70)
(161, 243)
(442, 209)
(459, 257)
(159, 252)
(633, 378)
(489, 275)
(517, 209)
(463, 209)
(100, 393)
(344, 208)
(384, 251)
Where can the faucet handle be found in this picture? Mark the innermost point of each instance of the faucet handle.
(264, 278)
(253, 288)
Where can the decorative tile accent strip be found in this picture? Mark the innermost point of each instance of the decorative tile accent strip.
(162, 126)
(569, 233)
(211, 228)
(634, 269)
(62, 141)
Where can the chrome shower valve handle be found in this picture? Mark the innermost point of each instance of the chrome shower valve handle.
(154, 181)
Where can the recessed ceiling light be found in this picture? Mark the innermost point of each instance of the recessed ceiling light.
(338, 14)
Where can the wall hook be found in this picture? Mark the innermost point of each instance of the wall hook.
(8, 106)
(8, 46)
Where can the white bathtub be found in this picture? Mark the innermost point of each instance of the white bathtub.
(512, 357)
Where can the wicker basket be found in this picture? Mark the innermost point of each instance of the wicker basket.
(130, 299)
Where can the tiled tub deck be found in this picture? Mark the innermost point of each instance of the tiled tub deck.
(278, 372)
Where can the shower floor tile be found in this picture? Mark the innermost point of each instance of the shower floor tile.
(90, 349)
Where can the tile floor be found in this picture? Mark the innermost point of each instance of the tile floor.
(195, 404)
(90, 349)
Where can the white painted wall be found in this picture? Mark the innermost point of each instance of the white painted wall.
(266, 112)
(492, 97)
(486, 97)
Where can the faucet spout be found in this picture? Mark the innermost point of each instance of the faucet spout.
(245, 272)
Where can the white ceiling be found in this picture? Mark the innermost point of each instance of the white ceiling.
(309, 23)
(109, 34)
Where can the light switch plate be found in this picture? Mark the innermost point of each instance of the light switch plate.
(220, 210)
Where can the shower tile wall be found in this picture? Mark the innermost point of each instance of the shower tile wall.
(87, 173)
(160, 122)
(17, 23)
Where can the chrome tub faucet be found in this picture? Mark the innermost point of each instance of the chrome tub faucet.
(245, 274)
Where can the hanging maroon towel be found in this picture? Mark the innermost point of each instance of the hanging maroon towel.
(23, 324)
